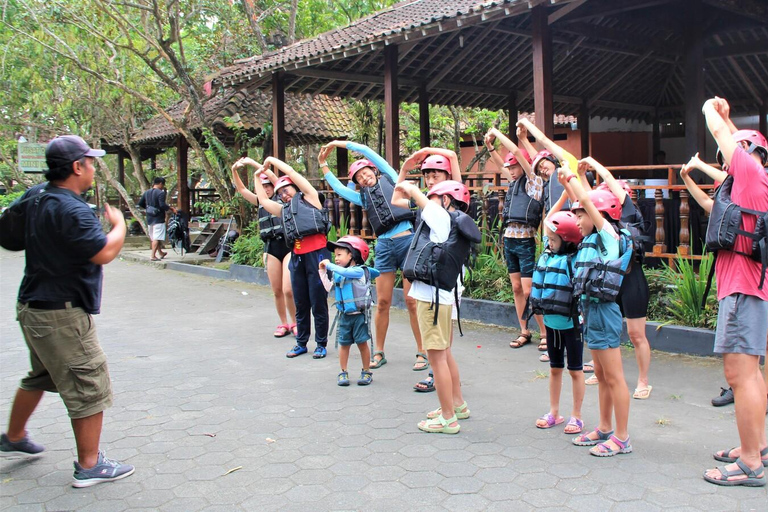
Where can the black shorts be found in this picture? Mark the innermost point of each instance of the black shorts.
(634, 293)
(276, 247)
(560, 343)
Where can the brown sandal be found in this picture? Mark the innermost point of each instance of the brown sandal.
(543, 344)
(520, 341)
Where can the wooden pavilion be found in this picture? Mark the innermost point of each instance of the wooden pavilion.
(650, 60)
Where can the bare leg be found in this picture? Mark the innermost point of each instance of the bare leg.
(87, 435)
(636, 329)
(288, 290)
(23, 406)
(519, 293)
(343, 357)
(612, 377)
(365, 355)
(443, 382)
(604, 396)
(411, 305)
(275, 274)
(385, 284)
(527, 283)
(458, 398)
(579, 388)
(154, 244)
(555, 388)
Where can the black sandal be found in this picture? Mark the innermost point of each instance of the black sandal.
(516, 343)
(425, 386)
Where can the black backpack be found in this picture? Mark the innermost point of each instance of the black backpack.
(13, 220)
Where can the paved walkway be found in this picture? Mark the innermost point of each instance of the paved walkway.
(216, 418)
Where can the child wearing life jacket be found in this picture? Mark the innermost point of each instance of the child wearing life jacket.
(552, 296)
(634, 295)
(276, 251)
(437, 165)
(393, 227)
(305, 226)
(603, 258)
(352, 285)
(521, 217)
(435, 259)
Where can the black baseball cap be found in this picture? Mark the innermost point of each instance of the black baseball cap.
(66, 149)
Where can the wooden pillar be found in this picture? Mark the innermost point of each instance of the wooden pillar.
(342, 162)
(684, 245)
(153, 162)
(763, 120)
(542, 71)
(278, 115)
(121, 175)
(512, 112)
(424, 135)
(693, 77)
(391, 107)
(182, 149)
(659, 247)
(584, 127)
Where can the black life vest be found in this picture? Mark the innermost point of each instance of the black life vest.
(634, 222)
(301, 219)
(377, 201)
(725, 224)
(440, 264)
(270, 226)
(520, 207)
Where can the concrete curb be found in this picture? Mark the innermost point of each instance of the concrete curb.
(668, 338)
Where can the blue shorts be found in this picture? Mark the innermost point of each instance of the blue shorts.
(520, 254)
(391, 252)
(602, 325)
(352, 329)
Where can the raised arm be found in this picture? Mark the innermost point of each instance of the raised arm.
(451, 156)
(582, 195)
(724, 109)
(522, 140)
(405, 192)
(698, 194)
(411, 163)
(559, 203)
(342, 190)
(606, 176)
(375, 158)
(716, 174)
(541, 138)
(512, 147)
(310, 194)
(240, 186)
(115, 237)
(719, 128)
(495, 156)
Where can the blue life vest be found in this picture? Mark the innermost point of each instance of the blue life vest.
(552, 291)
(353, 295)
(598, 279)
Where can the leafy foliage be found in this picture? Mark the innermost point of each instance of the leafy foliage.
(249, 248)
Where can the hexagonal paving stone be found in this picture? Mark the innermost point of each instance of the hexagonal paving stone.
(505, 491)
(497, 475)
(347, 483)
(544, 497)
(536, 480)
(453, 455)
(420, 479)
(306, 493)
(455, 469)
(149, 499)
(589, 502)
(39, 495)
(465, 502)
(311, 476)
(460, 485)
(277, 470)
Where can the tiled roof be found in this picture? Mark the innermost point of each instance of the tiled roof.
(307, 119)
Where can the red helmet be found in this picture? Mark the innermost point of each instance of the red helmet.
(604, 201)
(264, 179)
(436, 163)
(604, 186)
(543, 155)
(282, 182)
(756, 142)
(357, 165)
(458, 191)
(564, 225)
(353, 244)
(511, 159)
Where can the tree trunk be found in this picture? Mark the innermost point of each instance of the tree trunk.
(311, 151)
(250, 13)
(138, 169)
(137, 214)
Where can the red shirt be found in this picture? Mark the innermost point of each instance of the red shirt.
(309, 243)
(737, 273)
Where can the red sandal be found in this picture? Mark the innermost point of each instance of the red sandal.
(282, 331)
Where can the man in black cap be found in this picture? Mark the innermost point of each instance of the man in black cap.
(61, 289)
(153, 201)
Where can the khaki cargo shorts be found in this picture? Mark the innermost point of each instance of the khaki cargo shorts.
(66, 358)
(434, 337)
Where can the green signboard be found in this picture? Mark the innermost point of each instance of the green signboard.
(32, 157)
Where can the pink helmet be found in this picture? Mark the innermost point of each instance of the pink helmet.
(511, 159)
(604, 201)
(357, 165)
(436, 163)
(458, 191)
(543, 155)
(283, 181)
(756, 142)
(353, 244)
(564, 225)
(604, 186)
(264, 179)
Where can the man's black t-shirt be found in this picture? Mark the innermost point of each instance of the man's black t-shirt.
(155, 197)
(62, 235)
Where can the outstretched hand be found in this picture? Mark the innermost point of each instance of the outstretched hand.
(522, 132)
(489, 139)
(325, 151)
(323, 264)
(113, 215)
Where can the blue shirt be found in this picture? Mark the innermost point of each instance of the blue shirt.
(355, 197)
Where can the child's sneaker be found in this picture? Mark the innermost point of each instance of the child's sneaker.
(105, 470)
(24, 447)
(343, 379)
(320, 352)
(296, 351)
(366, 377)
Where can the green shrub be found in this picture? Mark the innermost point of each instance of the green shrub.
(249, 248)
(687, 291)
(7, 199)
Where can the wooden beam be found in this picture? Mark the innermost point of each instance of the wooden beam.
(638, 42)
(693, 77)
(278, 115)
(542, 71)
(755, 9)
(618, 78)
(391, 107)
(735, 50)
(564, 11)
(584, 127)
(479, 37)
(182, 150)
(424, 135)
(740, 73)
